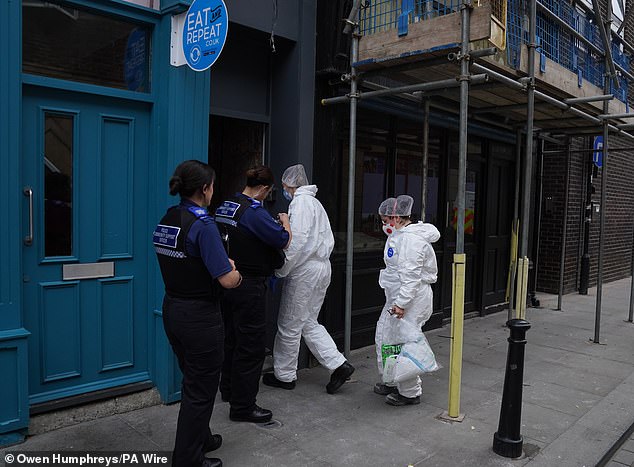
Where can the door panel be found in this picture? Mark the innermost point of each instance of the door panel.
(86, 162)
(499, 213)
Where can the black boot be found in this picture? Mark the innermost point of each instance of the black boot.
(270, 380)
(338, 377)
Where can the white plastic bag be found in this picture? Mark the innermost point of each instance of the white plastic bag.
(416, 358)
(388, 368)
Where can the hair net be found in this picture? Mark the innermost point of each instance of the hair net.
(295, 176)
(401, 206)
(387, 206)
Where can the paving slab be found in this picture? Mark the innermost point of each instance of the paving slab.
(577, 402)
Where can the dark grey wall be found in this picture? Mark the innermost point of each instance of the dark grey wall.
(259, 14)
(240, 80)
(252, 82)
(293, 104)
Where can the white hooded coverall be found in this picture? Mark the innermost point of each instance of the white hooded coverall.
(307, 272)
(410, 268)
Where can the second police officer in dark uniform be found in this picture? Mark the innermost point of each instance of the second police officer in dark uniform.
(194, 266)
(255, 242)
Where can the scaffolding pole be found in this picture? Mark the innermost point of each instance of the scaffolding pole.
(581, 38)
(423, 196)
(607, 43)
(562, 261)
(459, 259)
(352, 25)
(430, 86)
(515, 225)
(606, 25)
(553, 101)
(523, 261)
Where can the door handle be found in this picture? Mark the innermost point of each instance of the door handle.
(28, 191)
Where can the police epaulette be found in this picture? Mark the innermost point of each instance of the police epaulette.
(200, 213)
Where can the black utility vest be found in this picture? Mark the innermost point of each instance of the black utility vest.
(184, 276)
(252, 256)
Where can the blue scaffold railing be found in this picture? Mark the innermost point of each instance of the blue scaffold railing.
(558, 44)
(555, 42)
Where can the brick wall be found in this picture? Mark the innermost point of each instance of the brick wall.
(619, 225)
(619, 217)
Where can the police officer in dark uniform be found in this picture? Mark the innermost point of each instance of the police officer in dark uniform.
(194, 266)
(255, 241)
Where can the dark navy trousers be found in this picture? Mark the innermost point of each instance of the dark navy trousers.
(196, 333)
(243, 311)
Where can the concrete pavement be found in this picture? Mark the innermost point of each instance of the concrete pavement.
(578, 401)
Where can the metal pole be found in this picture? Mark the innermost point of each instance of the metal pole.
(631, 314)
(623, 116)
(607, 43)
(432, 86)
(539, 189)
(523, 262)
(604, 186)
(516, 208)
(351, 179)
(565, 232)
(423, 197)
(459, 259)
(585, 100)
(584, 275)
(464, 108)
(581, 38)
(540, 95)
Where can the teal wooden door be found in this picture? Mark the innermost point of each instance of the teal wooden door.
(85, 254)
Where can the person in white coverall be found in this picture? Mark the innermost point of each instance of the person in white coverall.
(307, 276)
(410, 269)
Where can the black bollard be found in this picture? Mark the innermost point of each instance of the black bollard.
(507, 441)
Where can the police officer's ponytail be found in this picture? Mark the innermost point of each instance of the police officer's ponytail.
(190, 177)
(260, 175)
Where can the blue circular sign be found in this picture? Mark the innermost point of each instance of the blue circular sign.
(204, 33)
(390, 252)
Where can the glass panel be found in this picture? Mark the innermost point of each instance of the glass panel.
(409, 169)
(58, 183)
(389, 162)
(474, 148)
(372, 166)
(67, 43)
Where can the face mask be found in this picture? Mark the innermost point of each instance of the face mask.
(287, 195)
(388, 229)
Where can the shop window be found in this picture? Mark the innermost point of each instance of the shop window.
(389, 162)
(71, 44)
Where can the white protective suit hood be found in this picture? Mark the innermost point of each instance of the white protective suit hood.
(427, 232)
